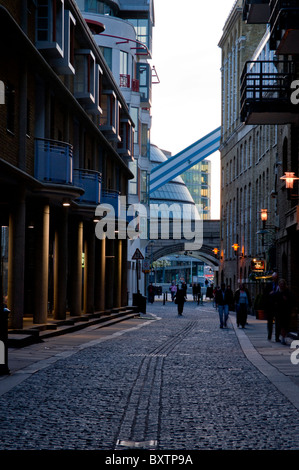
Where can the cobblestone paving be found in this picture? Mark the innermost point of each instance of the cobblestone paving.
(180, 383)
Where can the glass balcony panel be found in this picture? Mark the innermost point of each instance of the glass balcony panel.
(90, 181)
(111, 197)
(53, 161)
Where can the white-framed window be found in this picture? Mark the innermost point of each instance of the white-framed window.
(85, 76)
(50, 26)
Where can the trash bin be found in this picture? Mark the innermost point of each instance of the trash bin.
(4, 370)
(139, 301)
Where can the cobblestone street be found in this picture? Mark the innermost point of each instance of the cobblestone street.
(163, 382)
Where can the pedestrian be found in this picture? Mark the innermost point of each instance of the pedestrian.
(151, 293)
(222, 300)
(198, 293)
(173, 290)
(270, 300)
(285, 303)
(242, 302)
(180, 297)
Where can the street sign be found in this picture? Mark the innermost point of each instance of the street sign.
(137, 255)
(146, 266)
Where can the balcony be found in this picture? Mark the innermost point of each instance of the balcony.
(284, 26)
(90, 181)
(266, 93)
(256, 11)
(53, 161)
(111, 197)
(124, 81)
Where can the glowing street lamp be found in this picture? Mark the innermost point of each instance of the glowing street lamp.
(216, 251)
(264, 215)
(235, 246)
(289, 178)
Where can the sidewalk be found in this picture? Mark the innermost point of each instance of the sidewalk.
(271, 358)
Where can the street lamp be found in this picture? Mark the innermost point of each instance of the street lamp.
(235, 246)
(215, 251)
(289, 177)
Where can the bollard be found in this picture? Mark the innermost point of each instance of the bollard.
(164, 298)
(4, 370)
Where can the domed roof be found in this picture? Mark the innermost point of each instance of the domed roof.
(173, 191)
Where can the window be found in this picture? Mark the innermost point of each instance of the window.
(107, 53)
(50, 24)
(145, 82)
(142, 28)
(134, 112)
(133, 182)
(85, 66)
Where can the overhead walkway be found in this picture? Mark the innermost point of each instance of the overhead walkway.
(184, 160)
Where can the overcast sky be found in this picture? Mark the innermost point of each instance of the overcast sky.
(187, 102)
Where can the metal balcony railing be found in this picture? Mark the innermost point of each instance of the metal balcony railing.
(124, 81)
(266, 83)
(90, 181)
(53, 161)
(111, 197)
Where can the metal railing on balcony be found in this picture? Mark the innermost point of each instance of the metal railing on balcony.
(124, 81)
(266, 83)
(111, 197)
(53, 161)
(90, 181)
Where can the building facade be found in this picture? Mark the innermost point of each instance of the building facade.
(126, 44)
(259, 216)
(198, 181)
(65, 147)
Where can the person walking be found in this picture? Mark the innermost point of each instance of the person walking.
(151, 293)
(242, 302)
(285, 302)
(222, 300)
(173, 290)
(180, 297)
(271, 307)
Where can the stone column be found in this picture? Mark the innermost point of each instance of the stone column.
(60, 265)
(16, 261)
(89, 269)
(75, 300)
(110, 266)
(42, 265)
(100, 273)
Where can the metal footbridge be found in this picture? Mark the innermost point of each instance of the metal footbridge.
(184, 160)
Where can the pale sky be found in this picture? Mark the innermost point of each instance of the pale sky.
(186, 105)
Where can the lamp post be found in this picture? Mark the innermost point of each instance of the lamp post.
(236, 247)
(289, 178)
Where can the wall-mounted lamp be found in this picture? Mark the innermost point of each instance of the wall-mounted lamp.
(289, 178)
(235, 246)
(66, 203)
(216, 251)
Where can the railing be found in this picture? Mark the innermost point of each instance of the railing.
(135, 85)
(124, 80)
(90, 181)
(263, 82)
(53, 161)
(284, 16)
(111, 197)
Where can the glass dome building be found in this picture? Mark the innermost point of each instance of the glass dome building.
(174, 192)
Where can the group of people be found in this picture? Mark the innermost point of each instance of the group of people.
(278, 304)
(239, 301)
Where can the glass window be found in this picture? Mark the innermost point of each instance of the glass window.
(124, 58)
(133, 182)
(107, 53)
(134, 112)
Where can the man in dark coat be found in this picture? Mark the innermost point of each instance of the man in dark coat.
(223, 300)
